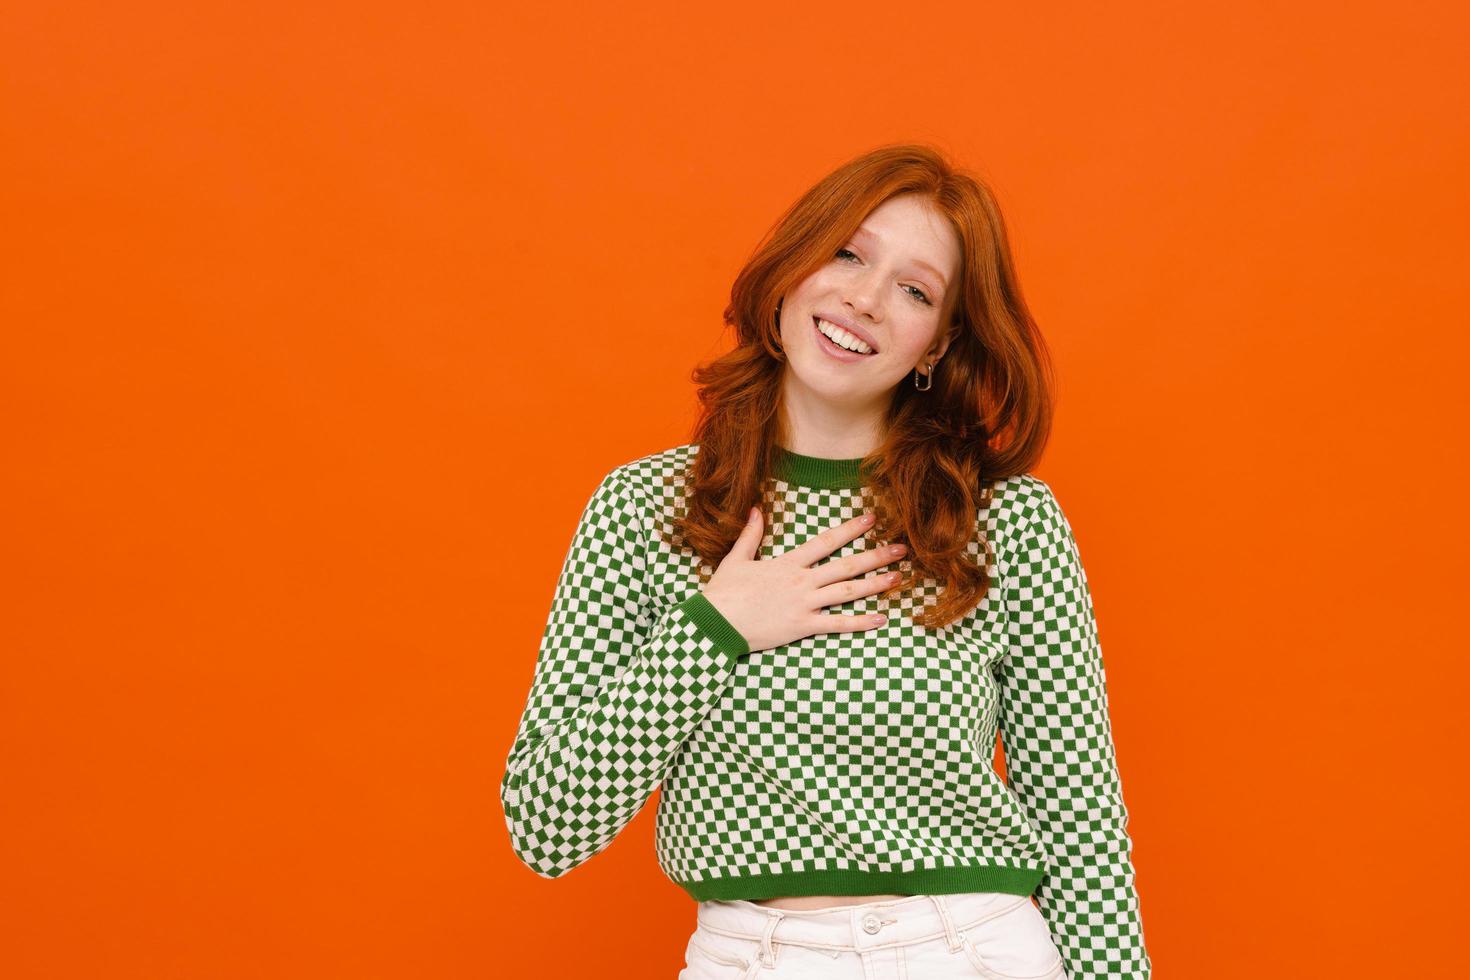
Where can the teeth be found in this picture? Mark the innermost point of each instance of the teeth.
(842, 338)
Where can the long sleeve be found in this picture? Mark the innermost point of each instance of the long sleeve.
(617, 690)
(1060, 762)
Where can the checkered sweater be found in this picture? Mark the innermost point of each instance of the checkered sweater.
(842, 763)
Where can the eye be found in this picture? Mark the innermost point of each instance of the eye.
(917, 293)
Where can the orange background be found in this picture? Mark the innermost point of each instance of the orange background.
(322, 323)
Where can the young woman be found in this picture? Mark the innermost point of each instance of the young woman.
(807, 625)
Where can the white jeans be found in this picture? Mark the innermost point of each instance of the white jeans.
(925, 937)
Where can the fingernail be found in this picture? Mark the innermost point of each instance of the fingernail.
(880, 619)
(867, 518)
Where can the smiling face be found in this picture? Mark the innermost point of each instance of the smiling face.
(889, 289)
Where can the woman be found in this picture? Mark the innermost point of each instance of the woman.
(807, 625)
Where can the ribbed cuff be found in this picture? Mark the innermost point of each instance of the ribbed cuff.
(713, 622)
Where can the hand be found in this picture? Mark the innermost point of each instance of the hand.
(778, 600)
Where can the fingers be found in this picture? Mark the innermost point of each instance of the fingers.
(855, 588)
(846, 591)
(858, 564)
(848, 622)
(748, 544)
(823, 544)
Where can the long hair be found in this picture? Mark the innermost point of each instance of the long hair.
(987, 416)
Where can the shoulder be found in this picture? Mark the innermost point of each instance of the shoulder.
(630, 498)
(1025, 521)
(651, 476)
(1018, 502)
(645, 487)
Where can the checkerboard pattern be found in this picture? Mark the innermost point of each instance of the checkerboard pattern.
(1058, 744)
(842, 763)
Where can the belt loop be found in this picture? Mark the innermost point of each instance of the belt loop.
(950, 934)
(767, 954)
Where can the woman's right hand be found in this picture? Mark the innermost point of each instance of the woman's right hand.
(778, 600)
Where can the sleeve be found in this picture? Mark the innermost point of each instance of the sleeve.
(1059, 756)
(615, 693)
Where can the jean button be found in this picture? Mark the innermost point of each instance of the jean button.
(871, 924)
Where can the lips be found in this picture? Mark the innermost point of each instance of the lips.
(850, 327)
(827, 341)
(835, 351)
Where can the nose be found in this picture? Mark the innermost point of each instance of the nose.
(863, 297)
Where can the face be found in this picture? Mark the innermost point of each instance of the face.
(889, 288)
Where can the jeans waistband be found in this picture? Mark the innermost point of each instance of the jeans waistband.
(855, 928)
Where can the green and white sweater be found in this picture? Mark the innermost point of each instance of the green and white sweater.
(842, 763)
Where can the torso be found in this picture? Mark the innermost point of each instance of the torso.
(803, 902)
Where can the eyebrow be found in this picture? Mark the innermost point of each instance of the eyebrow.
(868, 233)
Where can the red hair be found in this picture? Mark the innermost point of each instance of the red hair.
(988, 415)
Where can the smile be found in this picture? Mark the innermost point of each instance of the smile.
(836, 350)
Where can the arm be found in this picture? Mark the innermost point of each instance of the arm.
(1060, 762)
(615, 694)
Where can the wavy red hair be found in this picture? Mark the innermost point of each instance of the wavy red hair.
(987, 416)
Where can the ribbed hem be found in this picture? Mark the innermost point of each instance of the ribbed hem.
(925, 881)
(817, 472)
(704, 614)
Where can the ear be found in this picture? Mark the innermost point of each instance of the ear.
(941, 342)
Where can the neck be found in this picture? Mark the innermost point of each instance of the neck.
(815, 426)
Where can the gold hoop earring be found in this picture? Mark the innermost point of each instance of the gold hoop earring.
(929, 376)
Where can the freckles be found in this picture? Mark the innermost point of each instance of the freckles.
(908, 346)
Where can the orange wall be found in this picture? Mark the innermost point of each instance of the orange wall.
(296, 299)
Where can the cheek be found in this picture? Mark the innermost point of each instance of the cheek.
(812, 285)
(909, 341)
(796, 308)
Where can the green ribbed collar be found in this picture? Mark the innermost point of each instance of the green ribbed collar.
(817, 472)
